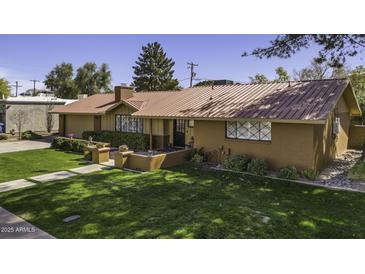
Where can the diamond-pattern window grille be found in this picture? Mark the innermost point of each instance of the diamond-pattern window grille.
(117, 123)
(231, 129)
(126, 123)
(249, 130)
(254, 131)
(265, 131)
(243, 130)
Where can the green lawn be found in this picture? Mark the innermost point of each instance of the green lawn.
(186, 202)
(24, 164)
(357, 172)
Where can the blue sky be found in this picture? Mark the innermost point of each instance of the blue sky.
(25, 57)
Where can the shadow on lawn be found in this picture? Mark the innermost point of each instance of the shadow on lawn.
(185, 202)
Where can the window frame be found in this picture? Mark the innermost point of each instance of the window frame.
(248, 139)
(137, 128)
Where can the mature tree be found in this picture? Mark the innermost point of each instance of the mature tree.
(91, 80)
(153, 70)
(104, 78)
(86, 79)
(281, 75)
(334, 48)
(60, 80)
(315, 71)
(342, 72)
(259, 79)
(19, 118)
(4, 88)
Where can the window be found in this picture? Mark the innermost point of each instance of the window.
(126, 123)
(248, 130)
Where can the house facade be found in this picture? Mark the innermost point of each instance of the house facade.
(305, 124)
(33, 108)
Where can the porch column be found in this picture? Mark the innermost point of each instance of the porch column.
(150, 134)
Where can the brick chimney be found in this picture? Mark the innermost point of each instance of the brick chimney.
(123, 92)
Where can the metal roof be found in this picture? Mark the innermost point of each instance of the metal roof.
(307, 101)
(311, 100)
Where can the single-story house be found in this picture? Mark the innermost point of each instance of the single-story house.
(300, 123)
(34, 109)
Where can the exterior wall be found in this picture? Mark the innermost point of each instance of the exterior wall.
(36, 115)
(291, 144)
(77, 124)
(356, 136)
(108, 120)
(327, 146)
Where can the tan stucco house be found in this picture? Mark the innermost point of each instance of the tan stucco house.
(305, 124)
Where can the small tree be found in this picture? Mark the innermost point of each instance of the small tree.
(259, 79)
(4, 88)
(49, 117)
(19, 118)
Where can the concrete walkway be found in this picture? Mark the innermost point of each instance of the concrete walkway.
(88, 169)
(10, 146)
(16, 184)
(14, 227)
(54, 176)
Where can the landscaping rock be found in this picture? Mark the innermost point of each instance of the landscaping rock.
(71, 218)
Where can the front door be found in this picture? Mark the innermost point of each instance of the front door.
(179, 133)
(97, 123)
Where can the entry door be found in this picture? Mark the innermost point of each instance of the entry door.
(97, 123)
(179, 133)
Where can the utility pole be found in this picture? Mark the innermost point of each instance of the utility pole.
(192, 73)
(16, 87)
(34, 81)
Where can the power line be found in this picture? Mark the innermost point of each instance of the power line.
(16, 87)
(192, 73)
(34, 81)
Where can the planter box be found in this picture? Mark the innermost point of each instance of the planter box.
(150, 163)
(98, 155)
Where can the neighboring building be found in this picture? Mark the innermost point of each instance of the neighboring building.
(38, 92)
(35, 109)
(304, 124)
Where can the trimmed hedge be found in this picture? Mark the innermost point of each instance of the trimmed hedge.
(236, 162)
(289, 172)
(137, 141)
(67, 144)
(30, 135)
(258, 167)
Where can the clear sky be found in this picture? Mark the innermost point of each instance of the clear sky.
(25, 57)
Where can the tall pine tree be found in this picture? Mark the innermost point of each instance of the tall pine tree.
(153, 70)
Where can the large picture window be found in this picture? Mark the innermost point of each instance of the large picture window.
(248, 130)
(126, 123)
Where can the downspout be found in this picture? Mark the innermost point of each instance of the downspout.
(150, 133)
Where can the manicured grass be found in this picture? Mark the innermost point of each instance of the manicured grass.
(357, 172)
(24, 164)
(186, 202)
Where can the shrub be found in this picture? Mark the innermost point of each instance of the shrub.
(137, 141)
(67, 144)
(30, 135)
(236, 162)
(289, 172)
(3, 136)
(258, 167)
(310, 174)
(197, 158)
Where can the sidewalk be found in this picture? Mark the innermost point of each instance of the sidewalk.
(13, 146)
(14, 227)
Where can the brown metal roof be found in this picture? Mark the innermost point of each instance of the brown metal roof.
(312, 100)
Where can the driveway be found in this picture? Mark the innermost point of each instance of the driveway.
(23, 145)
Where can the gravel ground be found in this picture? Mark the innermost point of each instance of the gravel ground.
(335, 175)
